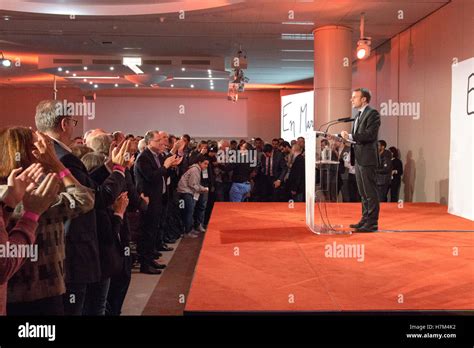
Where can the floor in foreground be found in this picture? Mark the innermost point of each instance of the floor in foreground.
(261, 257)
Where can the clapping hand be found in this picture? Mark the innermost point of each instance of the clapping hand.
(45, 153)
(19, 183)
(121, 203)
(38, 200)
(121, 154)
(172, 161)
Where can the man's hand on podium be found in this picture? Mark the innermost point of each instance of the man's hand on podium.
(345, 135)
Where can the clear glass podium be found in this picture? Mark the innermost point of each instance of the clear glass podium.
(322, 205)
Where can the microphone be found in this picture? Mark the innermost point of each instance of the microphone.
(346, 119)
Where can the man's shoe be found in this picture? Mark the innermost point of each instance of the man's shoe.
(169, 240)
(200, 229)
(190, 235)
(149, 270)
(164, 247)
(157, 265)
(157, 255)
(357, 225)
(367, 229)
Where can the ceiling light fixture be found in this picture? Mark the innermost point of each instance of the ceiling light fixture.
(112, 68)
(60, 69)
(132, 63)
(298, 23)
(157, 69)
(5, 63)
(300, 37)
(183, 69)
(85, 68)
(96, 86)
(116, 85)
(192, 86)
(172, 86)
(363, 45)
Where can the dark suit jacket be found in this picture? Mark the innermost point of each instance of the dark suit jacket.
(296, 179)
(384, 169)
(149, 179)
(279, 165)
(82, 247)
(365, 152)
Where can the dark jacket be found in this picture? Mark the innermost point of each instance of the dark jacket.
(365, 151)
(148, 176)
(82, 247)
(384, 169)
(296, 179)
(279, 165)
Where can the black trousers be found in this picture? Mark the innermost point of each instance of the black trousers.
(365, 176)
(350, 192)
(395, 190)
(150, 231)
(383, 192)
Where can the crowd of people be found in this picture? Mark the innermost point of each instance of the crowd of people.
(86, 202)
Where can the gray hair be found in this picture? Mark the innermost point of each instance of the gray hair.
(93, 160)
(150, 135)
(100, 143)
(141, 145)
(48, 115)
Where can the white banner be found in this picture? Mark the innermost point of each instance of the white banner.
(461, 160)
(297, 115)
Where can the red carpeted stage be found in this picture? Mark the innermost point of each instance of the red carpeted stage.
(261, 257)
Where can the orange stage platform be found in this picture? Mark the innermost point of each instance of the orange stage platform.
(261, 257)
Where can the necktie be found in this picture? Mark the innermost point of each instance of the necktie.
(157, 160)
(356, 123)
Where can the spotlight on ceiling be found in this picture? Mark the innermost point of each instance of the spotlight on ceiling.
(363, 45)
(60, 69)
(85, 68)
(157, 69)
(112, 68)
(5, 63)
(192, 86)
(183, 69)
(116, 85)
(172, 86)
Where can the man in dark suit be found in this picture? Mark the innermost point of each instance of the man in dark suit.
(364, 154)
(271, 173)
(151, 176)
(296, 179)
(384, 171)
(83, 272)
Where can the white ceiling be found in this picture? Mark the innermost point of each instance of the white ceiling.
(209, 28)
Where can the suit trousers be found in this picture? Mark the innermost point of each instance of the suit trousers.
(365, 177)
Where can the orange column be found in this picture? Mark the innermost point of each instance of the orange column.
(332, 75)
